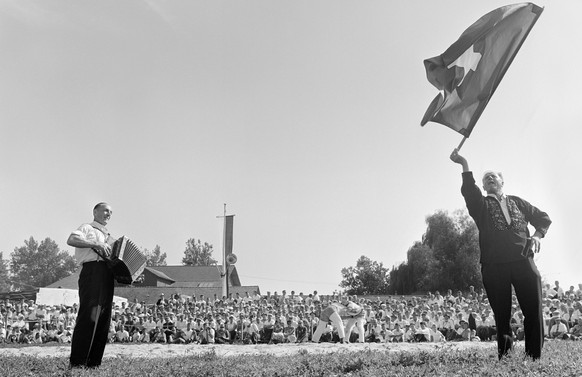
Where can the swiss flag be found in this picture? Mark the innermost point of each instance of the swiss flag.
(468, 72)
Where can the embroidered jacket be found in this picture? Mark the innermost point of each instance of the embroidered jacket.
(500, 241)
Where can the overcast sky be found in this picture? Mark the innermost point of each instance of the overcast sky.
(302, 116)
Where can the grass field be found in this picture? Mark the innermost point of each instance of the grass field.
(559, 359)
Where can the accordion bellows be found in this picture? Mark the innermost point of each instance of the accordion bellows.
(127, 261)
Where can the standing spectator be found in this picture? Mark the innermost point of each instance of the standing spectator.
(507, 255)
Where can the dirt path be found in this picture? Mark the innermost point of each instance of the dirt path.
(173, 350)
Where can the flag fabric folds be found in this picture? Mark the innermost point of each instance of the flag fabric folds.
(229, 222)
(468, 72)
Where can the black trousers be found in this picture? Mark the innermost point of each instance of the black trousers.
(526, 280)
(94, 316)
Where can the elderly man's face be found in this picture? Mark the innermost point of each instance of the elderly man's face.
(492, 182)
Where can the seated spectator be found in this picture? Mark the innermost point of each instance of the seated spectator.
(222, 335)
(289, 331)
(232, 327)
(169, 330)
(251, 332)
(189, 335)
(485, 327)
(65, 334)
(121, 335)
(447, 326)
(207, 334)
(435, 335)
(558, 329)
(397, 334)
(462, 333)
(2, 332)
(372, 334)
(277, 335)
(157, 335)
(13, 334)
(422, 334)
(409, 332)
(575, 332)
(302, 332)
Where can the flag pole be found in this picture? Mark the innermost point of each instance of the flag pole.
(461, 144)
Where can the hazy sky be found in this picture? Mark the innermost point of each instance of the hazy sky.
(302, 116)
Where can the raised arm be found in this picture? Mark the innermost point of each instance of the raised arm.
(457, 158)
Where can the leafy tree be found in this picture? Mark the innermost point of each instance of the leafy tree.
(198, 253)
(4, 276)
(366, 278)
(155, 257)
(400, 280)
(454, 240)
(35, 265)
(421, 267)
(447, 257)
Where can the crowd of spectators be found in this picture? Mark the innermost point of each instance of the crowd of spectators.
(292, 318)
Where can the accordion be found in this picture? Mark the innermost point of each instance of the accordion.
(127, 262)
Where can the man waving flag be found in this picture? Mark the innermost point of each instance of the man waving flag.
(468, 72)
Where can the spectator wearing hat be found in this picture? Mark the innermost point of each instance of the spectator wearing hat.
(463, 332)
(557, 328)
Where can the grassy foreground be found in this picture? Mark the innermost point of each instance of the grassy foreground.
(560, 358)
